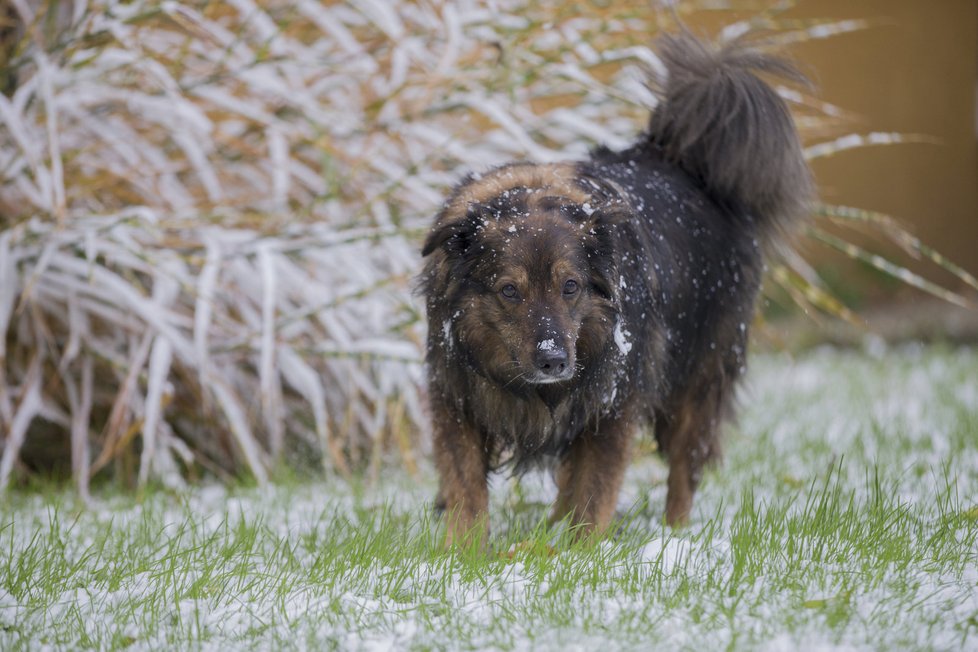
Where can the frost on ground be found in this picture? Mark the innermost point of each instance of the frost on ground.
(844, 518)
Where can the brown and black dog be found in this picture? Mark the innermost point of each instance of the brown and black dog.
(569, 303)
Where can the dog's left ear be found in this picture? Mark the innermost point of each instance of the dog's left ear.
(603, 258)
(454, 233)
(607, 194)
(608, 212)
(438, 236)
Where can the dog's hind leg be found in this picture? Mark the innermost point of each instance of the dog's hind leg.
(688, 434)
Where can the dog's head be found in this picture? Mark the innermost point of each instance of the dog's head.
(523, 272)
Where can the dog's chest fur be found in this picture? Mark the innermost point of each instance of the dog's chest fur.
(522, 429)
(536, 427)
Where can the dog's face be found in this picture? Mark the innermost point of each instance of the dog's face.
(524, 274)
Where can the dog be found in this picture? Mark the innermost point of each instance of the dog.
(569, 304)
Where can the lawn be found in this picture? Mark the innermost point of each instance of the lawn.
(845, 517)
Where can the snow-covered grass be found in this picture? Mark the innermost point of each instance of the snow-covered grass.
(845, 517)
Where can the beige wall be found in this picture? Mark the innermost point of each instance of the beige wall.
(915, 72)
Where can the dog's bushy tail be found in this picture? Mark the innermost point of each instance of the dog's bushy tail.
(727, 127)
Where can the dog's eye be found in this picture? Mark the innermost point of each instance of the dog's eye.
(508, 291)
(570, 287)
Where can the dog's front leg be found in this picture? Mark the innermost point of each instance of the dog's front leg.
(590, 477)
(461, 458)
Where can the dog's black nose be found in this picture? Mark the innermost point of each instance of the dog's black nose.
(552, 361)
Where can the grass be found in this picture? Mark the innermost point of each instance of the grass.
(845, 517)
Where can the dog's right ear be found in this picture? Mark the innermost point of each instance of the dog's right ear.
(453, 233)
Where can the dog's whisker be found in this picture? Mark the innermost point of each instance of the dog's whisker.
(515, 378)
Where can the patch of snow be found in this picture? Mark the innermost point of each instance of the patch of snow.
(621, 338)
(446, 333)
(667, 554)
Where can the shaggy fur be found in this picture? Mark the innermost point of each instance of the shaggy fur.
(570, 303)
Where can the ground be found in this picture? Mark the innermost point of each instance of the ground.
(844, 517)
